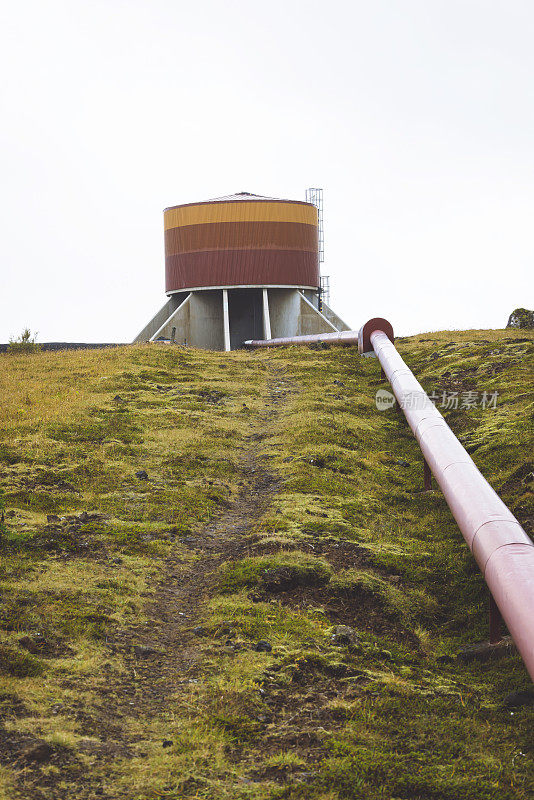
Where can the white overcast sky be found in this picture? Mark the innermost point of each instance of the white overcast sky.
(415, 116)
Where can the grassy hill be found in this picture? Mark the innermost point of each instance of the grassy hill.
(221, 578)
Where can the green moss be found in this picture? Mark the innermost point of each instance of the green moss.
(282, 626)
(290, 569)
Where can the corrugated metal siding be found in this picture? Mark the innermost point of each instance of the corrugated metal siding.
(240, 211)
(241, 235)
(242, 267)
(244, 242)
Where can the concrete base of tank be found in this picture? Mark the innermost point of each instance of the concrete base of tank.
(222, 319)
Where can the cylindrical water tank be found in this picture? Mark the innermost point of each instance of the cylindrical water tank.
(241, 240)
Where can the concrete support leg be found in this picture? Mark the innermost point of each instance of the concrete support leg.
(226, 320)
(266, 316)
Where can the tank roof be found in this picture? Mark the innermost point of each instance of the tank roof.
(240, 197)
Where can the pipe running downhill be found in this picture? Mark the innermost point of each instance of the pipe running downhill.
(501, 548)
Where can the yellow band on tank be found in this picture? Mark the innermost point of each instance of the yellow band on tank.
(246, 211)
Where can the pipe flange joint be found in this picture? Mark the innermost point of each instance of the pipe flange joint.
(364, 334)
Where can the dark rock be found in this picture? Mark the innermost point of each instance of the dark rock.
(84, 517)
(402, 463)
(523, 697)
(263, 646)
(142, 651)
(521, 318)
(52, 518)
(482, 651)
(345, 635)
(40, 752)
(142, 475)
(33, 645)
(199, 631)
(167, 743)
(116, 561)
(118, 399)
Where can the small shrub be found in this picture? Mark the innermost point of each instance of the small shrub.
(25, 343)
